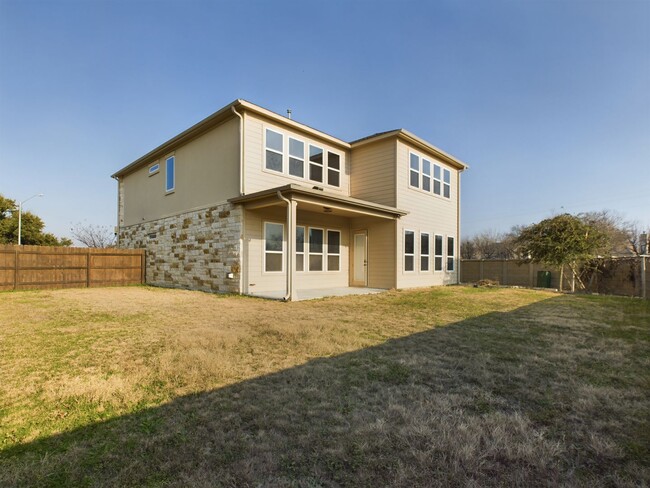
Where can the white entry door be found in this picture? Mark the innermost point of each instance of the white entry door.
(360, 259)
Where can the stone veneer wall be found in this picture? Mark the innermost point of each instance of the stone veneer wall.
(192, 250)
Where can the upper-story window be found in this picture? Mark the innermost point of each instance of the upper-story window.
(274, 150)
(428, 176)
(295, 157)
(170, 174)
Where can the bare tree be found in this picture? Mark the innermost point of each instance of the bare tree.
(489, 245)
(94, 235)
(623, 236)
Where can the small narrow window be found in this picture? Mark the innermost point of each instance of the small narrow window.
(170, 170)
(154, 169)
(424, 251)
(315, 164)
(274, 150)
(409, 250)
(333, 250)
(426, 175)
(446, 183)
(315, 249)
(437, 253)
(296, 158)
(300, 248)
(451, 249)
(333, 169)
(414, 172)
(436, 179)
(273, 247)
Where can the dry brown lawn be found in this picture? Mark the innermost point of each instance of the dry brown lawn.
(446, 386)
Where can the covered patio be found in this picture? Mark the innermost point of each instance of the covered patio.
(320, 214)
(313, 294)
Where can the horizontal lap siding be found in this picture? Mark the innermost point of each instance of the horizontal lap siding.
(206, 172)
(381, 250)
(427, 213)
(260, 281)
(373, 172)
(258, 179)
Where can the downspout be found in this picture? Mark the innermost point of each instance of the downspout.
(289, 247)
(243, 274)
(241, 151)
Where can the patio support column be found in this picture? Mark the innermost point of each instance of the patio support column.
(292, 211)
(290, 267)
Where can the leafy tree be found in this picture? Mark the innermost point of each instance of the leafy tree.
(563, 240)
(94, 235)
(31, 227)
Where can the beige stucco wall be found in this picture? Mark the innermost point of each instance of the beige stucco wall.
(427, 213)
(207, 172)
(258, 178)
(256, 280)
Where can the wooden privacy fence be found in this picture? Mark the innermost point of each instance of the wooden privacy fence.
(618, 276)
(39, 267)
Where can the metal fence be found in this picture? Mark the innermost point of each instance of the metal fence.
(40, 267)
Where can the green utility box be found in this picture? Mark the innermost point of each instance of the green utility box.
(543, 279)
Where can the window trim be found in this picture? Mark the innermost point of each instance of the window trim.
(286, 155)
(405, 254)
(264, 250)
(305, 237)
(328, 253)
(436, 255)
(451, 256)
(267, 148)
(337, 170)
(169, 190)
(154, 169)
(433, 163)
(322, 253)
(426, 255)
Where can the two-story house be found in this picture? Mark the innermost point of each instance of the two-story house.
(252, 202)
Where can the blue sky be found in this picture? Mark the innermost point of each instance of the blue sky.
(547, 101)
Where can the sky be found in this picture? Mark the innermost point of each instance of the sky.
(548, 102)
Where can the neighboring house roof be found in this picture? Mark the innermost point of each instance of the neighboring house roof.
(319, 198)
(227, 113)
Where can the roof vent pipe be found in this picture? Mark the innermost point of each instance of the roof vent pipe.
(289, 113)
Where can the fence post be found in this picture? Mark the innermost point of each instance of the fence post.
(644, 283)
(88, 269)
(15, 269)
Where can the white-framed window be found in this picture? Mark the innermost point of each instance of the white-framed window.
(154, 169)
(274, 151)
(333, 169)
(409, 250)
(273, 247)
(296, 158)
(436, 179)
(170, 174)
(426, 174)
(437, 253)
(425, 247)
(446, 183)
(451, 251)
(414, 170)
(333, 250)
(316, 249)
(300, 248)
(316, 163)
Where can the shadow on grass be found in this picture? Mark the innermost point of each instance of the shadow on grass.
(503, 399)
